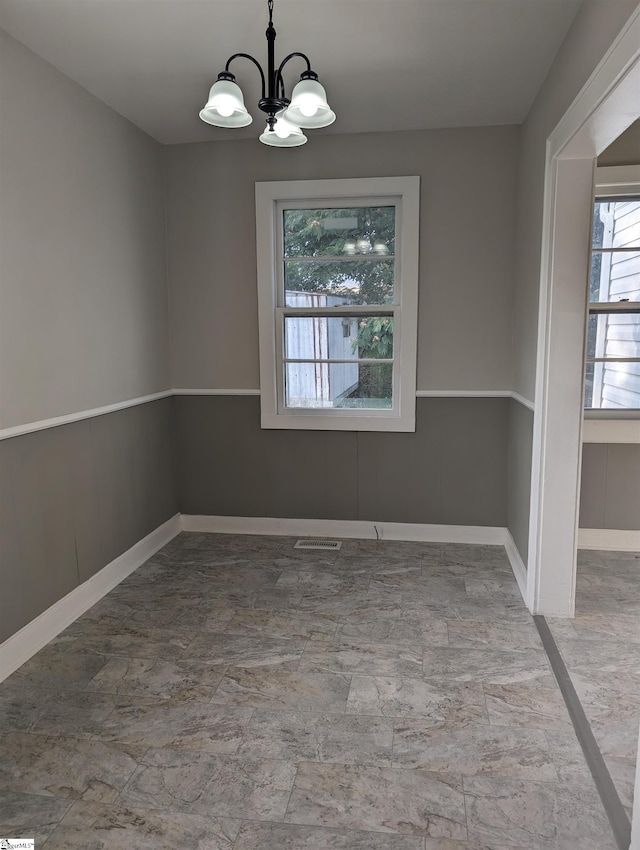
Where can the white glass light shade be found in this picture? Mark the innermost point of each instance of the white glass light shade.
(283, 128)
(309, 108)
(225, 107)
(363, 246)
(349, 247)
(380, 247)
(283, 135)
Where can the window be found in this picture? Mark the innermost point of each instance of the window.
(612, 379)
(337, 296)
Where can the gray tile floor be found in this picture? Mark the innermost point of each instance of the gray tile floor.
(235, 693)
(601, 648)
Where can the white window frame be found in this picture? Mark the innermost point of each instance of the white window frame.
(617, 181)
(404, 193)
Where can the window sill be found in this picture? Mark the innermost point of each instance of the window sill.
(319, 422)
(612, 429)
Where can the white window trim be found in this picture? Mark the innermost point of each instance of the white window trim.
(406, 191)
(617, 180)
(614, 181)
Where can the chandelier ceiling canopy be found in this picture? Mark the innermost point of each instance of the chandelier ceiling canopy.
(286, 118)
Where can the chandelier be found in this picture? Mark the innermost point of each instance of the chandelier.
(307, 109)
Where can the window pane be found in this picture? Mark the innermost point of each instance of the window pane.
(588, 385)
(615, 276)
(596, 326)
(600, 218)
(339, 385)
(338, 338)
(613, 384)
(616, 223)
(337, 232)
(329, 284)
(613, 335)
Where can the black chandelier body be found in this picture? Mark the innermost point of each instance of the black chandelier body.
(308, 107)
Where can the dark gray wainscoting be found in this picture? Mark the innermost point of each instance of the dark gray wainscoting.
(519, 464)
(74, 497)
(610, 486)
(452, 470)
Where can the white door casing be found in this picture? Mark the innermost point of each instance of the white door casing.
(608, 104)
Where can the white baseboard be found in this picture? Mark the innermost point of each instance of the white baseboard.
(20, 647)
(611, 539)
(365, 530)
(276, 526)
(406, 531)
(517, 565)
(478, 534)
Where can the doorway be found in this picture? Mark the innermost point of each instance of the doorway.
(607, 105)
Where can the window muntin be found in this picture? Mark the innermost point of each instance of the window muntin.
(612, 379)
(338, 310)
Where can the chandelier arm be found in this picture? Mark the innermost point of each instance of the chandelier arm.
(279, 82)
(255, 62)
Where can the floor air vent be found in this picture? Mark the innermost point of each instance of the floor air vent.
(318, 544)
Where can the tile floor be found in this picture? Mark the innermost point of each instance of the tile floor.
(601, 648)
(237, 694)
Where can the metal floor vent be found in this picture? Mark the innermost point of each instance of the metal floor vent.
(318, 544)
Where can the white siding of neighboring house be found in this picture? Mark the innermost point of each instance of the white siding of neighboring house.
(617, 385)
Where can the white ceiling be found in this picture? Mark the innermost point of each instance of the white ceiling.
(386, 64)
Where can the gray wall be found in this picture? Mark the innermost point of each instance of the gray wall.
(73, 498)
(468, 186)
(625, 150)
(520, 442)
(452, 470)
(610, 487)
(83, 309)
(83, 324)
